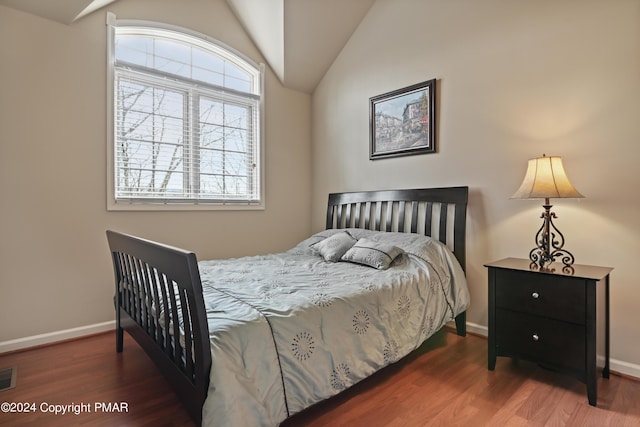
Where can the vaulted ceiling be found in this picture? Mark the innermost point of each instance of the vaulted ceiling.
(298, 38)
(63, 11)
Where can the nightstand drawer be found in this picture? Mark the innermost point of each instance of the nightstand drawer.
(556, 297)
(544, 340)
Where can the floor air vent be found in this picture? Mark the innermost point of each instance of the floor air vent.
(8, 378)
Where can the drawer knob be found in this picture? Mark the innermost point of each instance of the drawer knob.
(535, 337)
(535, 295)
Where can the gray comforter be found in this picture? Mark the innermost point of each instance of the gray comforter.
(290, 329)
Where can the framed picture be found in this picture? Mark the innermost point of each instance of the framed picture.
(402, 122)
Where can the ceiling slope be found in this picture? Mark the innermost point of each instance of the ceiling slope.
(63, 11)
(300, 39)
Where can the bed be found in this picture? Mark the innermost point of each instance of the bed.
(254, 340)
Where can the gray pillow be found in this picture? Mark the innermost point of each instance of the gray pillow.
(332, 248)
(374, 254)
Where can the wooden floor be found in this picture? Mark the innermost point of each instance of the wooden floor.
(444, 383)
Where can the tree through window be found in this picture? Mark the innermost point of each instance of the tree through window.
(186, 125)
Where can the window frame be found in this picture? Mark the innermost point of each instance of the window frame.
(159, 204)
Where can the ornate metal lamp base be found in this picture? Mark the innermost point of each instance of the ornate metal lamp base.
(550, 242)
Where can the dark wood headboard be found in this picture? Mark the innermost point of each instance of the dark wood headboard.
(437, 212)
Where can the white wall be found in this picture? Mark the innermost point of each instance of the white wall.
(55, 270)
(515, 80)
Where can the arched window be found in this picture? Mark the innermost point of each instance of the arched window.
(186, 119)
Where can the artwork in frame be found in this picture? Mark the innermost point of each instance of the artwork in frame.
(402, 122)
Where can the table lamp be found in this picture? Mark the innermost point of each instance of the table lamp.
(546, 179)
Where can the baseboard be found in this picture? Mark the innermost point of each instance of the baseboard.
(625, 369)
(52, 337)
(615, 366)
(474, 328)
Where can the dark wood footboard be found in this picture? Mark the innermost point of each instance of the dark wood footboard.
(159, 303)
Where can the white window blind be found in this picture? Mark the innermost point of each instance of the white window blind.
(186, 121)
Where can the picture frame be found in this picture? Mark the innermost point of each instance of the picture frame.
(402, 122)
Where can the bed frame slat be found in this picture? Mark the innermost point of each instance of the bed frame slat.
(443, 222)
(174, 339)
(357, 213)
(414, 216)
(186, 315)
(378, 216)
(401, 215)
(154, 330)
(367, 212)
(149, 324)
(126, 299)
(164, 312)
(389, 216)
(428, 219)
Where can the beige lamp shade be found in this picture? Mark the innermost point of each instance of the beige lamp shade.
(545, 179)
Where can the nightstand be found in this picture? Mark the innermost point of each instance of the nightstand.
(559, 320)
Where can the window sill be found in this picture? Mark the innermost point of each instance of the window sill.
(162, 207)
